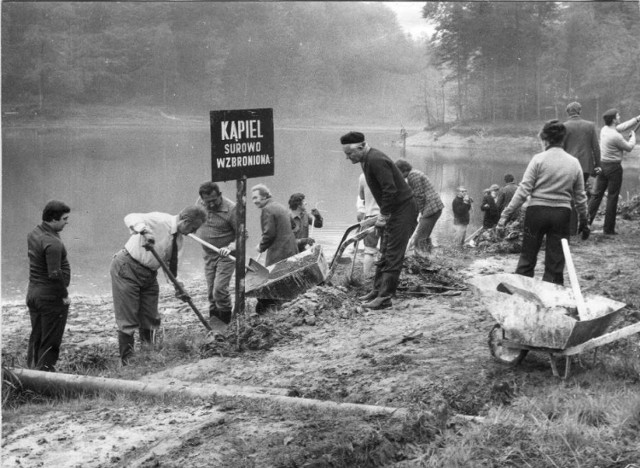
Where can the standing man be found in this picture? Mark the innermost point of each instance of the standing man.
(367, 208)
(218, 230)
(581, 142)
(505, 194)
(300, 220)
(429, 205)
(397, 218)
(47, 295)
(277, 234)
(461, 207)
(612, 147)
(134, 271)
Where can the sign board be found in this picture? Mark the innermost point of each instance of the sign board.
(241, 144)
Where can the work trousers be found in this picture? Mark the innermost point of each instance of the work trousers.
(393, 244)
(135, 294)
(371, 241)
(425, 228)
(48, 317)
(609, 180)
(459, 234)
(574, 211)
(218, 271)
(541, 221)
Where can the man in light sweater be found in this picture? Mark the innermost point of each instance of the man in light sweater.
(612, 146)
(552, 179)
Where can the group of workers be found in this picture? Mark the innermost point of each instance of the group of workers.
(399, 197)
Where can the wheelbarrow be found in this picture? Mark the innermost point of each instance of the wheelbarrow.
(535, 315)
(290, 277)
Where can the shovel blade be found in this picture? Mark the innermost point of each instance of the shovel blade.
(261, 272)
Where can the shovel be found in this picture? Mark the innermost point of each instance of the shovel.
(178, 286)
(260, 271)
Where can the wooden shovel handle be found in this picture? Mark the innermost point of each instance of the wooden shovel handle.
(573, 277)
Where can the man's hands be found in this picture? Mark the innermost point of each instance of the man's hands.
(583, 229)
(149, 241)
(66, 300)
(597, 170)
(226, 251)
(381, 223)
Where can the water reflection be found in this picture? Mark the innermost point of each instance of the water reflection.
(105, 173)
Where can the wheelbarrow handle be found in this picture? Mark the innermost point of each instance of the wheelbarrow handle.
(178, 286)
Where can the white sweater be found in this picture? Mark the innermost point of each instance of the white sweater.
(552, 178)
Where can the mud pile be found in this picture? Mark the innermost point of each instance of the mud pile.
(492, 241)
(629, 209)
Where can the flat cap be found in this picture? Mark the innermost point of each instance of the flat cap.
(352, 138)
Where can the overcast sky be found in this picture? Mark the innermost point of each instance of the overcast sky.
(410, 17)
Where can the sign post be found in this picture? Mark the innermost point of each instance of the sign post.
(242, 146)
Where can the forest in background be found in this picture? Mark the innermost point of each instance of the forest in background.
(487, 61)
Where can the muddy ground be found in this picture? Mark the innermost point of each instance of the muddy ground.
(428, 353)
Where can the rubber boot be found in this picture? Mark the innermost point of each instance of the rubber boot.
(367, 265)
(369, 296)
(380, 302)
(146, 339)
(224, 316)
(125, 345)
(376, 287)
(388, 285)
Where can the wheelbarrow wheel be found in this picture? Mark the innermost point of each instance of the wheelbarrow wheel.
(501, 353)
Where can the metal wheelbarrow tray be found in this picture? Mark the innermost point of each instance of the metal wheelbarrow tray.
(541, 317)
(289, 277)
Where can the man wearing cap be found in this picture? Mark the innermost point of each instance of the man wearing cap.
(134, 271)
(397, 219)
(582, 143)
(429, 205)
(612, 146)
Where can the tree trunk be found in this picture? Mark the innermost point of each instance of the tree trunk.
(47, 382)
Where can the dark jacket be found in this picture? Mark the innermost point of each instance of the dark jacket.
(491, 212)
(277, 236)
(385, 181)
(49, 270)
(581, 142)
(460, 211)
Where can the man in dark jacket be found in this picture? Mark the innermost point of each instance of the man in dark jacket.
(47, 295)
(277, 234)
(581, 142)
(397, 218)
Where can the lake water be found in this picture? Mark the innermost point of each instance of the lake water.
(105, 173)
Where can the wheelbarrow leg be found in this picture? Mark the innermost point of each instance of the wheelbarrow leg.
(567, 367)
(554, 368)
